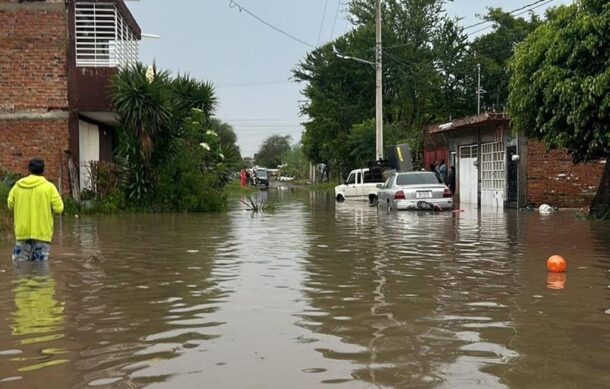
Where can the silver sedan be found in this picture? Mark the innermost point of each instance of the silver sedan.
(414, 190)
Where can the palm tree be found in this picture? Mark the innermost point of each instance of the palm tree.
(143, 105)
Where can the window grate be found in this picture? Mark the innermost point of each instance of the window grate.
(493, 166)
(103, 38)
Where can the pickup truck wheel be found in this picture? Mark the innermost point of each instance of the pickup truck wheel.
(340, 198)
(373, 201)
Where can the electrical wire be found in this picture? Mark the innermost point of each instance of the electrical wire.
(332, 31)
(545, 2)
(537, 4)
(235, 4)
(254, 84)
(510, 12)
(322, 22)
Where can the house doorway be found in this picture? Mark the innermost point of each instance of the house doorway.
(88, 150)
(468, 175)
(512, 178)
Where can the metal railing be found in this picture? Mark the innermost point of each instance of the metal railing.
(103, 37)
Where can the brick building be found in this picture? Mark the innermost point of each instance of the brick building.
(497, 168)
(56, 61)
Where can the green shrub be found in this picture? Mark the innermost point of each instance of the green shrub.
(7, 180)
(70, 206)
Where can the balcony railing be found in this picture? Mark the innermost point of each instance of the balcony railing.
(103, 37)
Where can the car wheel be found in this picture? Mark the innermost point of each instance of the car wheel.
(340, 198)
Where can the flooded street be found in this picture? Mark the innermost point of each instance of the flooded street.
(313, 293)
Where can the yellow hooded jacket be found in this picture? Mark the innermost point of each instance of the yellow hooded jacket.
(33, 200)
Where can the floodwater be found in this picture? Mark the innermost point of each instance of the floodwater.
(312, 294)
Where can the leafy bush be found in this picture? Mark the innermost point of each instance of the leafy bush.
(168, 159)
(7, 180)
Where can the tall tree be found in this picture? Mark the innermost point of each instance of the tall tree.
(273, 150)
(228, 142)
(493, 51)
(560, 83)
(341, 92)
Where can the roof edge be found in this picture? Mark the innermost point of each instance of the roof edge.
(475, 120)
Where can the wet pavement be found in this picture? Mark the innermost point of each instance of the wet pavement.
(310, 294)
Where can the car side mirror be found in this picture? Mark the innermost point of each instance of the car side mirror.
(379, 186)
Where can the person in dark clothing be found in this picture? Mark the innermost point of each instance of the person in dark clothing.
(451, 179)
(442, 171)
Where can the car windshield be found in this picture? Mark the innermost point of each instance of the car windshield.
(261, 174)
(417, 179)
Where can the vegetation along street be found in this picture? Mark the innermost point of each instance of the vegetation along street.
(305, 193)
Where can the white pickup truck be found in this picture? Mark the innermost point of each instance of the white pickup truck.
(361, 184)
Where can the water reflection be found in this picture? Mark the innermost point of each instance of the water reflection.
(36, 323)
(313, 293)
(556, 280)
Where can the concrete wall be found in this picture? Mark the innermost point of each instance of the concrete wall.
(553, 178)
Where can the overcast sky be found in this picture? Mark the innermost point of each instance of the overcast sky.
(249, 63)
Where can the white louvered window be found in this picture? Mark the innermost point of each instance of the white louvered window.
(103, 37)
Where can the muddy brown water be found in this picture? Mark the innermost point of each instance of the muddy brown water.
(314, 294)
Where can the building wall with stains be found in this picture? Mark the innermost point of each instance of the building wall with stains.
(554, 179)
(34, 103)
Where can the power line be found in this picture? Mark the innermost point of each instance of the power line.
(335, 21)
(510, 12)
(254, 84)
(544, 2)
(322, 22)
(235, 4)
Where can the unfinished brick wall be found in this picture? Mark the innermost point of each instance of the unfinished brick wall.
(22, 140)
(552, 178)
(34, 86)
(33, 65)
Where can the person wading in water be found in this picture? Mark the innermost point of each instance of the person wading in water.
(33, 200)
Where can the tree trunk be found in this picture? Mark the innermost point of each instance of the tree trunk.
(600, 207)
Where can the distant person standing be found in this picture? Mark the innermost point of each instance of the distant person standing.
(33, 200)
(451, 179)
(242, 177)
(442, 172)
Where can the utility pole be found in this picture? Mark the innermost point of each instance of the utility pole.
(479, 90)
(379, 87)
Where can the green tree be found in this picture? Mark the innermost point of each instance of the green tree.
(228, 143)
(273, 150)
(296, 163)
(424, 53)
(560, 83)
(493, 51)
(144, 107)
(170, 158)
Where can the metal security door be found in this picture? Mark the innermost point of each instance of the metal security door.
(468, 175)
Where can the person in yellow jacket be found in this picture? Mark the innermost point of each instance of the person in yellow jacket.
(33, 200)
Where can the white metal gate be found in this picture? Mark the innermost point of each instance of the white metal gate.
(467, 175)
(493, 182)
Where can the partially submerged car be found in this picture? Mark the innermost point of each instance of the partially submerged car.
(414, 190)
(262, 177)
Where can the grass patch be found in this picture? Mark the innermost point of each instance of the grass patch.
(234, 189)
(323, 187)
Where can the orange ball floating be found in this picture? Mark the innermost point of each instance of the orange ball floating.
(556, 264)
